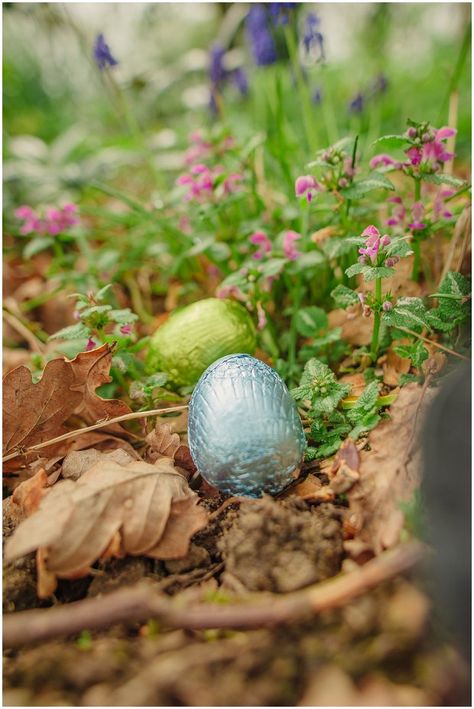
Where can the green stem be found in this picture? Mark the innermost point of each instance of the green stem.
(296, 293)
(302, 88)
(415, 274)
(374, 346)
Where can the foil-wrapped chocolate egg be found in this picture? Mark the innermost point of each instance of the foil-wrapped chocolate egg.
(195, 336)
(244, 431)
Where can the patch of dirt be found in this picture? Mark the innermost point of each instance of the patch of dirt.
(282, 546)
(370, 638)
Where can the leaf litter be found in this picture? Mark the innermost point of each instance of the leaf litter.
(150, 506)
(107, 506)
(34, 413)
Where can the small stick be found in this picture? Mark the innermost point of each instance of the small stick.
(141, 602)
(17, 325)
(101, 424)
(432, 342)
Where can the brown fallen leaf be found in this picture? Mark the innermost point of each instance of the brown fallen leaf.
(37, 412)
(394, 366)
(27, 496)
(356, 329)
(357, 382)
(162, 443)
(77, 463)
(389, 472)
(347, 454)
(345, 478)
(76, 521)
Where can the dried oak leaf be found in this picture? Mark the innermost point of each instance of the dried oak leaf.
(37, 412)
(162, 442)
(77, 521)
(389, 472)
(356, 329)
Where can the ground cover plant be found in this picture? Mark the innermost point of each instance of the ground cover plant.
(322, 201)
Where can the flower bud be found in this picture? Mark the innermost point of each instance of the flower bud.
(411, 133)
(385, 240)
(387, 305)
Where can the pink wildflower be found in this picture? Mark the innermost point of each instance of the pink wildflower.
(414, 155)
(126, 329)
(259, 238)
(384, 160)
(439, 207)
(418, 212)
(372, 244)
(306, 185)
(90, 344)
(289, 248)
(371, 230)
(398, 212)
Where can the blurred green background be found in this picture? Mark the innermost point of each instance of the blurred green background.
(64, 125)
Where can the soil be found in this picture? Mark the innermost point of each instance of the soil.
(379, 649)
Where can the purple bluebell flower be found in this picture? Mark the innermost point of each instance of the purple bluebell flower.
(312, 38)
(102, 53)
(317, 96)
(217, 73)
(379, 85)
(280, 11)
(239, 77)
(260, 37)
(357, 104)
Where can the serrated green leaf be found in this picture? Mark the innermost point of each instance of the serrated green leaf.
(95, 309)
(73, 332)
(355, 269)
(344, 297)
(374, 272)
(399, 247)
(365, 403)
(440, 179)
(416, 352)
(408, 312)
(123, 316)
(309, 321)
(375, 181)
(390, 142)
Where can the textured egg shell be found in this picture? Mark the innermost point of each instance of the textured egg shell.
(198, 334)
(244, 431)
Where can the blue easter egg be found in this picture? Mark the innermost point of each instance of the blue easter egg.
(244, 431)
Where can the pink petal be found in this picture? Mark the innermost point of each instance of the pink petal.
(371, 230)
(445, 132)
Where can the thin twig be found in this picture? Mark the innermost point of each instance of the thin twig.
(101, 424)
(141, 602)
(17, 325)
(432, 342)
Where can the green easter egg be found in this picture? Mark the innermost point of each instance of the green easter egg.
(198, 334)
